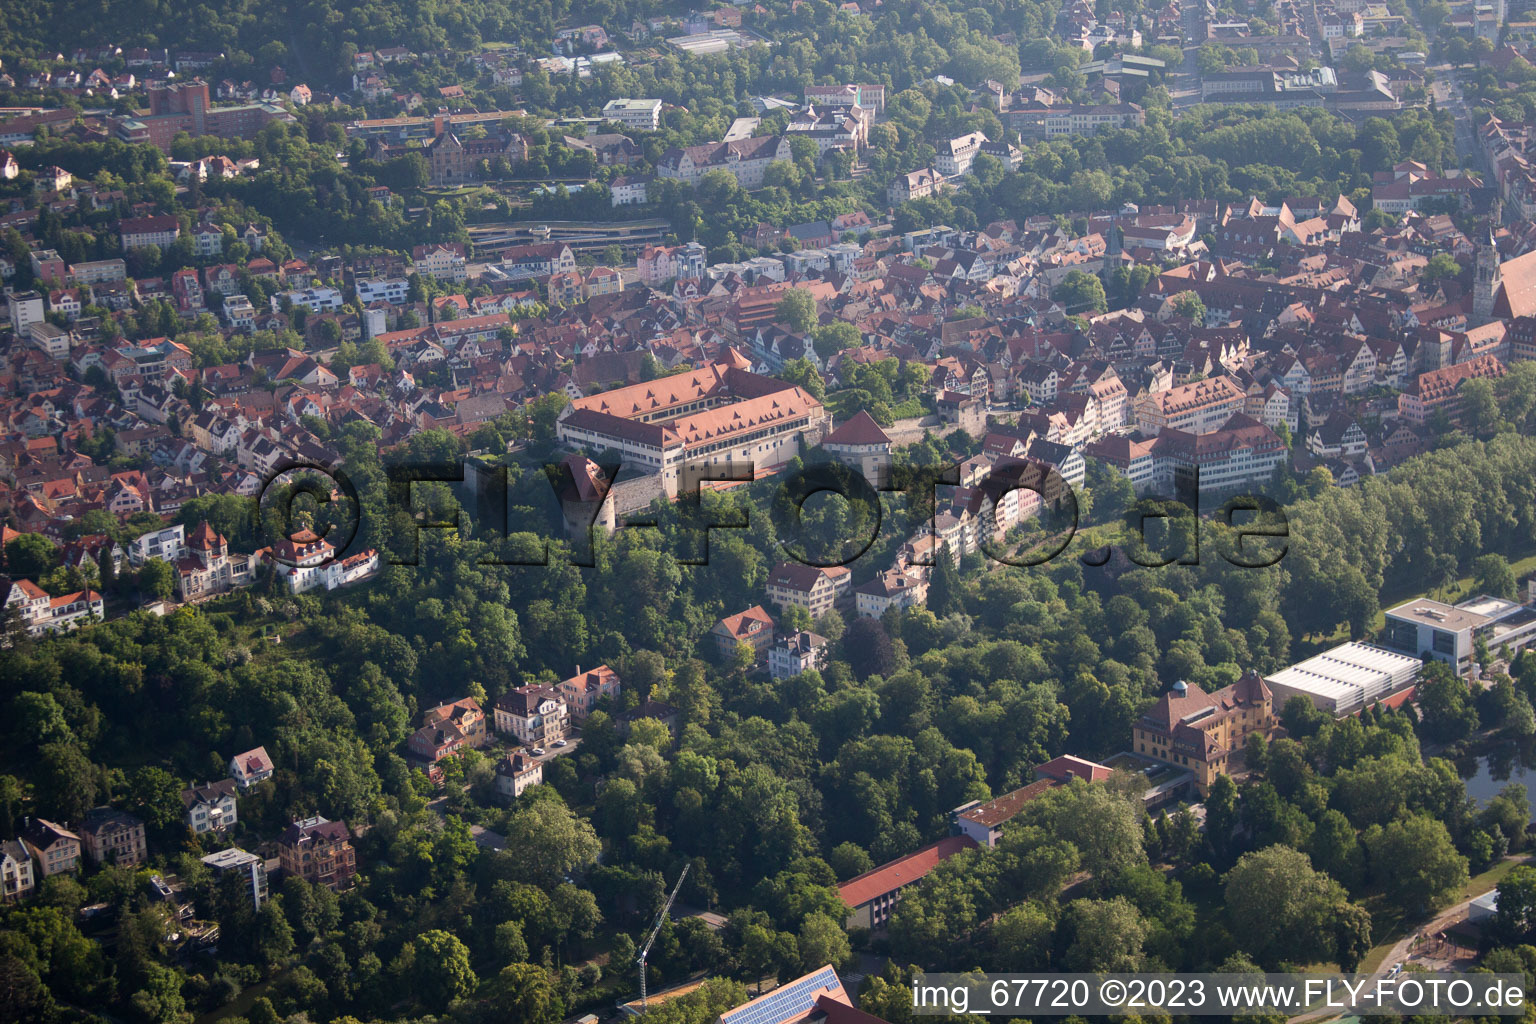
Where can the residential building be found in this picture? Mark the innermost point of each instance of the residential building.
(16, 878)
(892, 588)
(140, 232)
(48, 267)
(443, 262)
(658, 264)
(1439, 391)
(918, 184)
(449, 728)
(794, 653)
(43, 614)
(956, 155)
(583, 690)
(207, 241)
(306, 561)
(753, 627)
(55, 848)
(874, 894)
(111, 836)
(638, 115)
(744, 159)
(629, 190)
(1200, 732)
(251, 767)
(26, 310)
(516, 772)
(318, 851)
(316, 300)
(392, 290)
(211, 807)
(814, 588)
(251, 868)
(99, 272)
(169, 545)
(536, 716)
(1198, 407)
(1337, 436)
(208, 568)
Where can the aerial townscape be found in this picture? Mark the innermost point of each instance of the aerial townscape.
(710, 511)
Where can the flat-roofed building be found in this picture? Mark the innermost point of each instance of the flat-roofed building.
(1347, 678)
(252, 868)
(1426, 628)
(641, 115)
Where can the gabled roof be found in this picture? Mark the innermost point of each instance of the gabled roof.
(210, 793)
(902, 871)
(739, 625)
(860, 430)
(525, 700)
(253, 761)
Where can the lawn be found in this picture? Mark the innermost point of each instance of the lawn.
(1458, 591)
(1388, 925)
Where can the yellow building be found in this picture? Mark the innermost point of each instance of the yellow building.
(1200, 731)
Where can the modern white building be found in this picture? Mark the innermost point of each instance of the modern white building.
(248, 865)
(1345, 679)
(316, 300)
(169, 544)
(26, 309)
(641, 115)
(391, 290)
(1431, 628)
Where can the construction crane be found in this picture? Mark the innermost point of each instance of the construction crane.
(661, 916)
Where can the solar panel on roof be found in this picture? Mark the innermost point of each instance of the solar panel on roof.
(785, 1003)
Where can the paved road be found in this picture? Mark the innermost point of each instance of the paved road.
(1402, 951)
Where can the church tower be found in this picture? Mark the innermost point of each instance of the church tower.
(1486, 277)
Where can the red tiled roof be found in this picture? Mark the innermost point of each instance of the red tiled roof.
(1000, 809)
(861, 429)
(902, 871)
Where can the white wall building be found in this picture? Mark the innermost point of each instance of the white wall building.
(1345, 679)
(641, 115)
